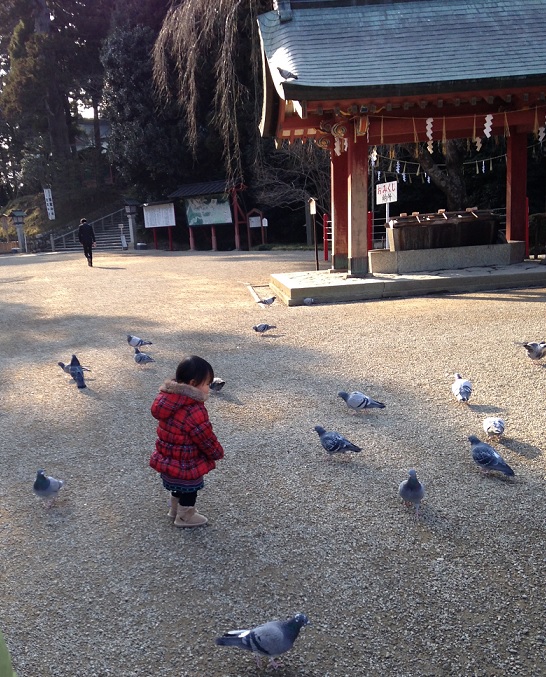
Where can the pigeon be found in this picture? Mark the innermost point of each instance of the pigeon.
(217, 384)
(358, 401)
(461, 388)
(142, 358)
(412, 491)
(493, 426)
(75, 370)
(46, 487)
(334, 443)
(263, 327)
(308, 301)
(487, 459)
(66, 367)
(287, 75)
(535, 351)
(267, 302)
(136, 342)
(269, 640)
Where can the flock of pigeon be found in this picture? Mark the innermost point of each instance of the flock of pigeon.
(275, 638)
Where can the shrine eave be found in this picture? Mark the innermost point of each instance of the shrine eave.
(301, 92)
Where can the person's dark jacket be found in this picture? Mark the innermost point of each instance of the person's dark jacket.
(86, 233)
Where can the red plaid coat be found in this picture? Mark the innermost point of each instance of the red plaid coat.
(186, 447)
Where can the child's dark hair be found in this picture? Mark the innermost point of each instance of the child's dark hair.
(194, 368)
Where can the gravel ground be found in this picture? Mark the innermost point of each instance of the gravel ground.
(103, 584)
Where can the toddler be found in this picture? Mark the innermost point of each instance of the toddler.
(186, 447)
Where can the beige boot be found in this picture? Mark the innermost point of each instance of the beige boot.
(188, 517)
(173, 508)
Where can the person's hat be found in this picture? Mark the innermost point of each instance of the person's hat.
(83, 220)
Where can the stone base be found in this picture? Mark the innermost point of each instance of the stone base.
(453, 258)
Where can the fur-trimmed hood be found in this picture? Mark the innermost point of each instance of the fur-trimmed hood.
(185, 389)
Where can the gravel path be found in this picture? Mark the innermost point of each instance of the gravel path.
(103, 584)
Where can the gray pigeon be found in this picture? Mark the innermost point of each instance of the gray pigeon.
(461, 388)
(263, 327)
(412, 491)
(142, 358)
(46, 487)
(535, 351)
(308, 301)
(75, 370)
(287, 75)
(493, 426)
(217, 384)
(136, 342)
(269, 640)
(267, 302)
(334, 443)
(358, 401)
(487, 459)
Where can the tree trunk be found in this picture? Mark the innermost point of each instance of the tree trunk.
(451, 181)
(55, 101)
(99, 178)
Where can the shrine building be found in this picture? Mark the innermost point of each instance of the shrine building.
(354, 74)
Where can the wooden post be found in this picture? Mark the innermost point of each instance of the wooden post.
(192, 239)
(357, 200)
(339, 184)
(516, 186)
(213, 238)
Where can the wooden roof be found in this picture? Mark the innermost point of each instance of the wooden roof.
(396, 54)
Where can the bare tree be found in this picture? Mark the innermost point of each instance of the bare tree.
(223, 34)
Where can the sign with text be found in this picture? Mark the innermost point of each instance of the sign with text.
(49, 204)
(208, 211)
(386, 192)
(159, 216)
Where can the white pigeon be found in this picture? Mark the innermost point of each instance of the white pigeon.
(493, 426)
(535, 350)
(357, 401)
(217, 384)
(461, 388)
(136, 342)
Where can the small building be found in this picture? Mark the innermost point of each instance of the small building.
(351, 74)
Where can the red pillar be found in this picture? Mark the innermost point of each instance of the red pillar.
(339, 211)
(516, 186)
(357, 200)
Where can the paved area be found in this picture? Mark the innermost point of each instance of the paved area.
(326, 287)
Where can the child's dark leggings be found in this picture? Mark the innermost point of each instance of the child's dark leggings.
(185, 498)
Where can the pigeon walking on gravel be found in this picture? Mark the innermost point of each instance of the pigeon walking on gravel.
(263, 327)
(217, 384)
(493, 426)
(136, 342)
(461, 388)
(357, 401)
(75, 370)
(334, 443)
(142, 358)
(412, 492)
(535, 350)
(46, 487)
(267, 302)
(487, 459)
(268, 640)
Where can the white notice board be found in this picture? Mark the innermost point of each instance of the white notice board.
(159, 216)
(386, 192)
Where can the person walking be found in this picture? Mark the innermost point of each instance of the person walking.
(186, 448)
(86, 235)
